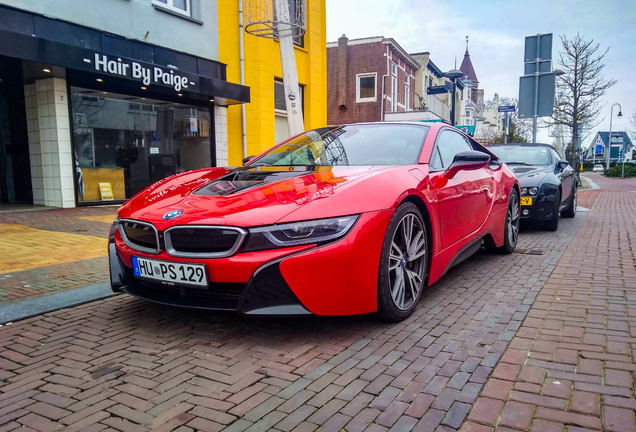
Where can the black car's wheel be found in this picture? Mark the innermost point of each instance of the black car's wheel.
(511, 229)
(553, 223)
(570, 212)
(403, 264)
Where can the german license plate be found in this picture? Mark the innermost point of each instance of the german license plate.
(526, 200)
(170, 273)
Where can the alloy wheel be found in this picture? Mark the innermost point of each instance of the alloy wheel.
(513, 219)
(407, 261)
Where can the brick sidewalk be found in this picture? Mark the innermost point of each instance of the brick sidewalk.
(538, 340)
(52, 250)
(571, 364)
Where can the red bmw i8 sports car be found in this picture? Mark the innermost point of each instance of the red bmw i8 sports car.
(340, 220)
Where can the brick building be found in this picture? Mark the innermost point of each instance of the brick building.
(368, 78)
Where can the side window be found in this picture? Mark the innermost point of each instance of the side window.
(436, 162)
(448, 145)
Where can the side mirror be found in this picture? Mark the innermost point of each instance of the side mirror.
(467, 160)
(562, 164)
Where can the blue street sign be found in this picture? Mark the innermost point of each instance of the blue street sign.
(599, 149)
(506, 108)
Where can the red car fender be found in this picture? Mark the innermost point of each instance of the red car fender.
(348, 270)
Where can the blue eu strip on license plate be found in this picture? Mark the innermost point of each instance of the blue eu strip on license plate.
(171, 273)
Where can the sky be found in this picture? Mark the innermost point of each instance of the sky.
(497, 31)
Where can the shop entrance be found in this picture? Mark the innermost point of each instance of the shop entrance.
(15, 169)
(123, 143)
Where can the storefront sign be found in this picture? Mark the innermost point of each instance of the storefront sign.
(144, 73)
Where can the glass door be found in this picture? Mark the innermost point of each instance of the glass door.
(15, 165)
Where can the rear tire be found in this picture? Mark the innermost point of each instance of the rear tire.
(403, 264)
(511, 227)
(570, 212)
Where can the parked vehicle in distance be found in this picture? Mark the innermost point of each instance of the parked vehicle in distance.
(598, 168)
(340, 220)
(548, 183)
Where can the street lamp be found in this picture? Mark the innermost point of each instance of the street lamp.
(453, 75)
(609, 138)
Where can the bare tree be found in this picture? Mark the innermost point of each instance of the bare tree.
(579, 89)
(632, 120)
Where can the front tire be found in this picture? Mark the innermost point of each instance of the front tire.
(403, 264)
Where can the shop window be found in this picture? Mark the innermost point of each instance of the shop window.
(182, 7)
(129, 145)
(139, 107)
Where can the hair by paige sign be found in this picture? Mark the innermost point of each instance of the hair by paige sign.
(147, 75)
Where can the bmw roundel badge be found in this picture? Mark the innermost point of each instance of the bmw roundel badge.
(172, 214)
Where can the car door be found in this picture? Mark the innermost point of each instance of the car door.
(566, 177)
(465, 199)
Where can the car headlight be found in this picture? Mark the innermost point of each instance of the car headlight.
(529, 191)
(298, 233)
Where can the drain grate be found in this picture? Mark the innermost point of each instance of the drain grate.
(530, 251)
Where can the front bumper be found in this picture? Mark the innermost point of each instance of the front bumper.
(338, 278)
(542, 207)
(266, 293)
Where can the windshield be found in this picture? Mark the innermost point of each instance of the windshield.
(371, 144)
(526, 155)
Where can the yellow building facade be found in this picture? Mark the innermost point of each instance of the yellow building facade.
(262, 66)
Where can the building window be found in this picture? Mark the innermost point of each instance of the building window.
(297, 14)
(281, 129)
(279, 96)
(394, 87)
(179, 6)
(407, 92)
(296, 17)
(366, 87)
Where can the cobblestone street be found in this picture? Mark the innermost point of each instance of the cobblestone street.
(539, 340)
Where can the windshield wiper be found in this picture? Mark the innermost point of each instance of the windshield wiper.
(519, 163)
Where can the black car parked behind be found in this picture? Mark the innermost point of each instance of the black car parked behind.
(548, 183)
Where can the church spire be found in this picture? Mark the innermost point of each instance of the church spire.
(467, 67)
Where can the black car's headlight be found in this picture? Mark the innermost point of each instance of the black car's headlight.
(298, 233)
(529, 191)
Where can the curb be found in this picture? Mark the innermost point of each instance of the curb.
(17, 311)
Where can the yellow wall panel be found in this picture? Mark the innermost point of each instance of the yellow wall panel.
(262, 66)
